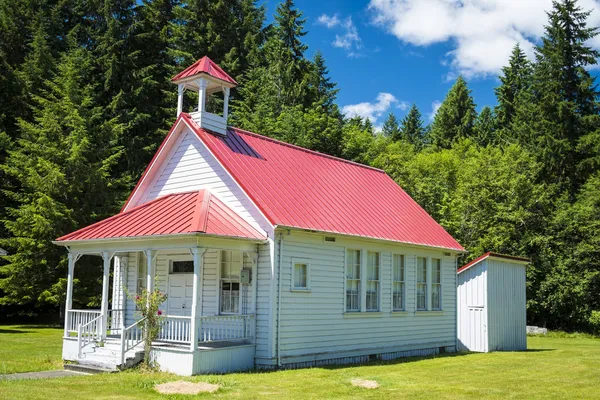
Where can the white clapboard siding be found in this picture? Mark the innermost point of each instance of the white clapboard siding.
(133, 258)
(314, 322)
(190, 166)
(507, 315)
(263, 296)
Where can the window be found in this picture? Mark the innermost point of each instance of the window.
(421, 283)
(353, 280)
(398, 283)
(300, 279)
(231, 266)
(436, 284)
(182, 267)
(373, 281)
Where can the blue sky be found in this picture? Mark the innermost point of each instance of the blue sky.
(388, 54)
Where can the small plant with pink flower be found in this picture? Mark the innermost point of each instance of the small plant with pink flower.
(148, 304)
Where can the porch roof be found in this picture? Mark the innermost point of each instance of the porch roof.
(178, 213)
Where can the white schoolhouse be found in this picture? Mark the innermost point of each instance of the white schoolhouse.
(272, 256)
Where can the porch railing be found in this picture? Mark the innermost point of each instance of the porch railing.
(88, 333)
(210, 328)
(116, 321)
(132, 336)
(226, 327)
(176, 329)
(80, 317)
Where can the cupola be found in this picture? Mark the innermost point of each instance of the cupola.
(205, 77)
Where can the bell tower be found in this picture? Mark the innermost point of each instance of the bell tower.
(206, 78)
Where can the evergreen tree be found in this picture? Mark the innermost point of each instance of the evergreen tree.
(485, 127)
(563, 106)
(390, 128)
(325, 90)
(515, 79)
(290, 28)
(64, 160)
(412, 127)
(455, 117)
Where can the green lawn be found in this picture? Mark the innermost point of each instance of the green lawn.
(25, 348)
(554, 367)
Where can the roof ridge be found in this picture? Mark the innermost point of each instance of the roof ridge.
(318, 153)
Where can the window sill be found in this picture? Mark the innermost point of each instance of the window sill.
(399, 313)
(300, 290)
(361, 314)
(430, 312)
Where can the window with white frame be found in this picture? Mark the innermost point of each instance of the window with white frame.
(421, 284)
(352, 280)
(182, 267)
(300, 275)
(436, 284)
(231, 266)
(398, 283)
(373, 268)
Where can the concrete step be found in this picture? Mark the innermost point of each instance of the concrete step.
(89, 369)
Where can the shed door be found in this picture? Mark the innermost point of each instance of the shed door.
(180, 294)
(478, 327)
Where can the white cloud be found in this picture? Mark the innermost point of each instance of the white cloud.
(373, 111)
(348, 39)
(482, 32)
(435, 106)
(329, 21)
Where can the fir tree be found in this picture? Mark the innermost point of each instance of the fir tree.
(455, 117)
(290, 28)
(390, 128)
(562, 108)
(64, 160)
(485, 127)
(411, 127)
(325, 90)
(514, 80)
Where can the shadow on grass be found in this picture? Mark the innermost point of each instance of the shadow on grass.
(4, 330)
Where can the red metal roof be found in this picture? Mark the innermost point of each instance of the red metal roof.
(207, 66)
(191, 212)
(491, 254)
(300, 188)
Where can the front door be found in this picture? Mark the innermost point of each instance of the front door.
(180, 294)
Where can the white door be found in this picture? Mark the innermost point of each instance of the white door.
(478, 327)
(180, 294)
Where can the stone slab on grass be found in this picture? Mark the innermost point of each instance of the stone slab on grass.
(365, 383)
(184, 387)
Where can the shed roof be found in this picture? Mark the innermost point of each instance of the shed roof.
(516, 259)
(204, 66)
(299, 188)
(191, 212)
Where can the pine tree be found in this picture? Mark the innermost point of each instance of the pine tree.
(411, 127)
(390, 128)
(514, 80)
(64, 160)
(455, 117)
(485, 127)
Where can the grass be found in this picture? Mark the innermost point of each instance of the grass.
(25, 348)
(554, 367)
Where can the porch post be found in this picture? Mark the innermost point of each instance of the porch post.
(198, 253)
(150, 257)
(69, 303)
(106, 256)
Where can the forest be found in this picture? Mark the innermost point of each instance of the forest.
(86, 98)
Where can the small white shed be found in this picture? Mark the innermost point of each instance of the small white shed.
(491, 304)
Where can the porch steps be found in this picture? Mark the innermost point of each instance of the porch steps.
(106, 358)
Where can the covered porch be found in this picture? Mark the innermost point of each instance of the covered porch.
(209, 279)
